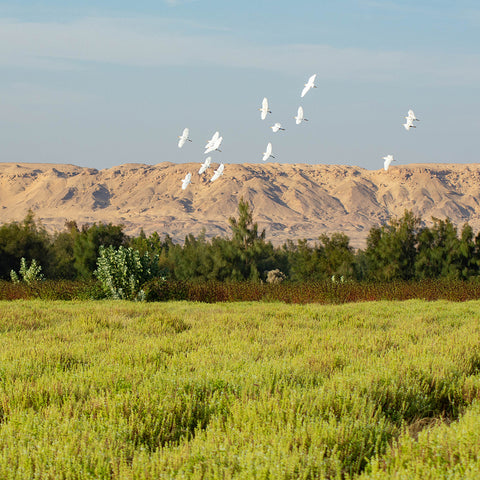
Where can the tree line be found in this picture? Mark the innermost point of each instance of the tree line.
(402, 249)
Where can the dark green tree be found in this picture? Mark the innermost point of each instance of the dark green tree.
(304, 261)
(63, 259)
(25, 239)
(249, 255)
(87, 244)
(194, 260)
(441, 254)
(392, 249)
(336, 255)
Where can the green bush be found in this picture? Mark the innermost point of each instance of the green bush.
(28, 275)
(123, 271)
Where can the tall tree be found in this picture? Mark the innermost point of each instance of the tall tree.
(248, 253)
(88, 242)
(25, 239)
(392, 249)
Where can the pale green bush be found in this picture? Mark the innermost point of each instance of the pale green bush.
(28, 275)
(123, 271)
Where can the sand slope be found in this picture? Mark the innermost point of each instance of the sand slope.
(289, 201)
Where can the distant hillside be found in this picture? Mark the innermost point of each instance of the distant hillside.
(289, 201)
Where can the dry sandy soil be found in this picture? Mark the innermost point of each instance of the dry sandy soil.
(290, 201)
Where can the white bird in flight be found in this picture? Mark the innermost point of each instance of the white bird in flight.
(409, 124)
(275, 128)
(212, 141)
(300, 118)
(310, 84)
(268, 152)
(183, 138)
(412, 116)
(217, 144)
(388, 160)
(186, 180)
(264, 110)
(214, 146)
(218, 172)
(205, 165)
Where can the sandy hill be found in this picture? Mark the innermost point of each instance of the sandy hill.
(291, 201)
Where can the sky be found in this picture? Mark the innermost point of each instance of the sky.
(100, 84)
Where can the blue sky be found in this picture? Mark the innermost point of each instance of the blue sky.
(101, 85)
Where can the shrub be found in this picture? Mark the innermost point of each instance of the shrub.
(123, 271)
(28, 275)
(275, 276)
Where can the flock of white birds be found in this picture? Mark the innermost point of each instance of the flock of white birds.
(213, 144)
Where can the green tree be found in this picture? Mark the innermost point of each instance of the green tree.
(154, 245)
(330, 255)
(441, 253)
(194, 260)
(304, 261)
(249, 255)
(392, 249)
(469, 254)
(88, 242)
(25, 239)
(336, 255)
(63, 259)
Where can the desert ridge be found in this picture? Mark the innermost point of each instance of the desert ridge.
(289, 201)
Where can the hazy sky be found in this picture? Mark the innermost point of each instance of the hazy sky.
(101, 85)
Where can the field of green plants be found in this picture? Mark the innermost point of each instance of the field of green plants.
(249, 390)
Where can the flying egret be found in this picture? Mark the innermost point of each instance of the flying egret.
(412, 116)
(388, 160)
(214, 146)
(183, 138)
(310, 84)
(212, 141)
(217, 144)
(275, 128)
(264, 110)
(205, 165)
(300, 118)
(268, 152)
(186, 180)
(218, 172)
(409, 124)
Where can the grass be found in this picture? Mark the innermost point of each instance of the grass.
(103, 390)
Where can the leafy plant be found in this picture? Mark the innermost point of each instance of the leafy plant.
(123, 271)
(29, 274)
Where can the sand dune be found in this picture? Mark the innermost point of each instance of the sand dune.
(291, 201)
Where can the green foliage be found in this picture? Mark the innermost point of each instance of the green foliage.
(26, 274)
(63, 257)
(117, 390)
(22, 240)
(331, 255)
(247, 252)
(87, 245)
(442, 254)
(123, 271)
(401, 250)
(392, 249)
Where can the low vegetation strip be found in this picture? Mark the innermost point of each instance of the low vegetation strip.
(325, 292)
(122, 390)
